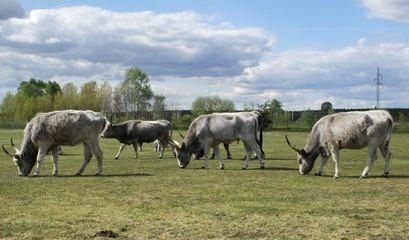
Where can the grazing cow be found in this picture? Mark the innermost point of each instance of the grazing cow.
(47, 131)
(350, 130)
(138, 131)
(208, 131)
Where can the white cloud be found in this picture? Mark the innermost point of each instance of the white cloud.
(187, 54)
(395, 10)
(305, 78)
(182, 44)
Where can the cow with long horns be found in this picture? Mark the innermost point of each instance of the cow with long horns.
(349, 130)
(208, 131)
(47, 131)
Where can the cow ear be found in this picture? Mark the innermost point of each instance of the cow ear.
(303, 152)
(183, 146)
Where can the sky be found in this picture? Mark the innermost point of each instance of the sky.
(302, 53)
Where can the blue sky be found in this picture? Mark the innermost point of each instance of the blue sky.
(300, 52)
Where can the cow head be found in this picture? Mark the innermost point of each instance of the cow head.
(110, 131)
(24, 160)
(305, 160)
(183, 153)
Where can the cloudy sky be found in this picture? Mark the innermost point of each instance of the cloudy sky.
(302, 53)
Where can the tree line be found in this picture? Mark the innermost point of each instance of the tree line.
(133, 98)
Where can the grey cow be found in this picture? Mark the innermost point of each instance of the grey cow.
(47, 131)
(350, 130)
(208, 131)
(138, 131)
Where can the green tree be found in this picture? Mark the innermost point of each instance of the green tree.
(89, 96)
(211, 104)
(273, 114)
(104, 97)
(32, 88)
(308, 118)
(135, 91)
(326, 109)
(68, 97)
(8, 109)
(158, 107)
(402, 118)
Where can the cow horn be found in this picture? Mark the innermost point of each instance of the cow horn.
(292, 147)
(174, 143)
(4, 149)
(12, 144)
(182, 136)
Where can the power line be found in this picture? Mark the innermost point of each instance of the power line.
(378, 84)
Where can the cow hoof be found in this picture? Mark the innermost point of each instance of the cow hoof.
(243, 168)
(55, 174)
(318, 174)
(361, 177)
(228, 157)
(203, 167)
(222, 168)
(262, 167)
(335, 177)
(385, 174)
(97, 174)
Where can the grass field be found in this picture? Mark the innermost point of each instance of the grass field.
(152, 198)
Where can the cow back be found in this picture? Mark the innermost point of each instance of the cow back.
(66, 127)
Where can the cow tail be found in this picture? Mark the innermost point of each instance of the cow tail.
(171, 129)
(261, 133)
(169, 137)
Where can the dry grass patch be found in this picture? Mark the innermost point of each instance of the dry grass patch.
(152, 198)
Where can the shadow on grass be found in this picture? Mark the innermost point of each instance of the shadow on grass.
(358, 177)
(253, 169)
(96, 176)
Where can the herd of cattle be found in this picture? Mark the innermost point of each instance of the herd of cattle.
(46, 132)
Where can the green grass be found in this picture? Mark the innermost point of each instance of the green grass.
(152, 198)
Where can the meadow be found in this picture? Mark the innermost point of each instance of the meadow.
(151, 198)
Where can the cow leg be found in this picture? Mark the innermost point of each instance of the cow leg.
(213, 155)
(40, 157)
(206, 155)
(86, 158)
(136, 147)
(372, 156)
(323, 162)
(249, 151)
(99, 154)
(163, 146)
(140, 146)
(216, 151)
(335, 157)
(227, 147)
(386, 154)
(121, 148)
(54, 155)
(256, 147)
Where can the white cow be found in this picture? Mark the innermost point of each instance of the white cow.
(208, 131)
(47, 131)
(351, 130)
